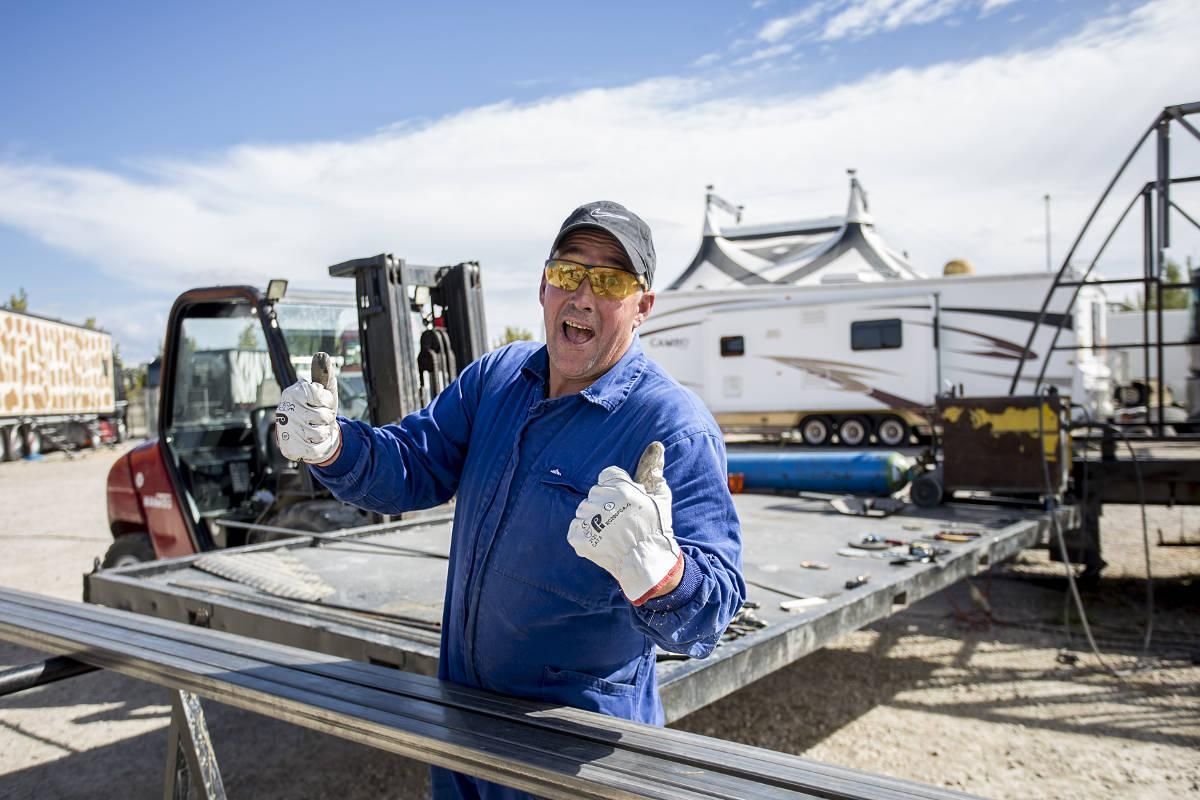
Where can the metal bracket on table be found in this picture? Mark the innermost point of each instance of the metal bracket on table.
(192, 770)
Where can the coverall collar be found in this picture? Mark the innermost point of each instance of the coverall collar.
(610, 389)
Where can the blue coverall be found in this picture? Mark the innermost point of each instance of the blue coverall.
(524, 615)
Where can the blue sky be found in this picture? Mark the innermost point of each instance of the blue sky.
(151, 147)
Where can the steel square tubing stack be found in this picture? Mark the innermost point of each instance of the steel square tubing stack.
(551, 751)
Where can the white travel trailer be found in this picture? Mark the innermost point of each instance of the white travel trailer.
(1127, 358)
(838, 336)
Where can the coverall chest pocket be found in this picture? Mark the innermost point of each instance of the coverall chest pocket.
(535, 549)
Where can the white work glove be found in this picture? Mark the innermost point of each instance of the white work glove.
(305, 423)
(624, 526)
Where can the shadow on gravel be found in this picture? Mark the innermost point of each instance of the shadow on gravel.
(799, 706)
(260, 758)
(133, 699)
(87, 755)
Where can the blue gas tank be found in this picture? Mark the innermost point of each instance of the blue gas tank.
(860, 472)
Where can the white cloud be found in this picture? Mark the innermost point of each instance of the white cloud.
(707, 60)
(870, 16)
(765, 54)
(857, 19)
(956, 156)
(776, 29)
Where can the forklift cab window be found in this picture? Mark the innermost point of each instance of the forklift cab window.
(222, 370)
(311, 327)
(224, 394)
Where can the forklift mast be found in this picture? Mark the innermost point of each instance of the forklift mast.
(404, 373)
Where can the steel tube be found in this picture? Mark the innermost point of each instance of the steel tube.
(18, 679)
(254, 686)
(551, 751)
(1070, 303)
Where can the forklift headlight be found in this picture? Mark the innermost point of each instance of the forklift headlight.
(276, 289)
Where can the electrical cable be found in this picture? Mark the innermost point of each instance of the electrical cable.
(1051, 504)
(1137, 473)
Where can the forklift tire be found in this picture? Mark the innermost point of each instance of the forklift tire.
(129, 549)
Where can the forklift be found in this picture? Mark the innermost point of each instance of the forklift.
(213, 476)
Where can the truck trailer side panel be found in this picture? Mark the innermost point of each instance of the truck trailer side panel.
(52, 368)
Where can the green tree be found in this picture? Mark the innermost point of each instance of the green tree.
(249, 338)
(512, 334)
(90, 323)
(1172, 298)
(18, 301)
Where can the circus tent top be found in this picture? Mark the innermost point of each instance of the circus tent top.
(830, 250)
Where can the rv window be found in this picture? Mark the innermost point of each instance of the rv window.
(875, 334)
(733, 346)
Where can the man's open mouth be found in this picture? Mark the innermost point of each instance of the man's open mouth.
(577, 332)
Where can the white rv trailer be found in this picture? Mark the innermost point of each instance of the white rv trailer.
(866, 359)
(821, 326)
(1128, 363)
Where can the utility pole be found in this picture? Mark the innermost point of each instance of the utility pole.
(1049, 266)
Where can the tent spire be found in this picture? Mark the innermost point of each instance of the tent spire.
(857, 212)
(711, 199)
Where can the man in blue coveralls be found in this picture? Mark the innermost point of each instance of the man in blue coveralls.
(565, 572)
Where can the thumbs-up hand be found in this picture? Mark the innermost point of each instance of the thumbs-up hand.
(624, 526)
(305, 424)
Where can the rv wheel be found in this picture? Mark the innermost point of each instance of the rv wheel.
(10, 447)
(815, 430)
(853, 431)
(892, 431)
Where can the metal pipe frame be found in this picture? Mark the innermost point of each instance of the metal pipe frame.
(551, 751)
(1156, 230)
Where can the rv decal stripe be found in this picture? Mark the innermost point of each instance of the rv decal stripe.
(847, 380)
(668, 328)
(820, 363)
(1010, 313)
(1015, 349)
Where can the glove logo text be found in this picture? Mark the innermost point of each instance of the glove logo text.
(598, 523)
(281, 419)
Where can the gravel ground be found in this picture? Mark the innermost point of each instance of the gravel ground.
(983, 687)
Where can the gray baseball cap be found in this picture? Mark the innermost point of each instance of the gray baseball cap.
(630, 230)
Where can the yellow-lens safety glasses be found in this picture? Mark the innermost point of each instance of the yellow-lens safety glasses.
(607, 282)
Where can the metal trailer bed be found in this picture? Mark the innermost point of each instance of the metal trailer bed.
(387, 604)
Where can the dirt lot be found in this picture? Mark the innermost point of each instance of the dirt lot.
(945, 692)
